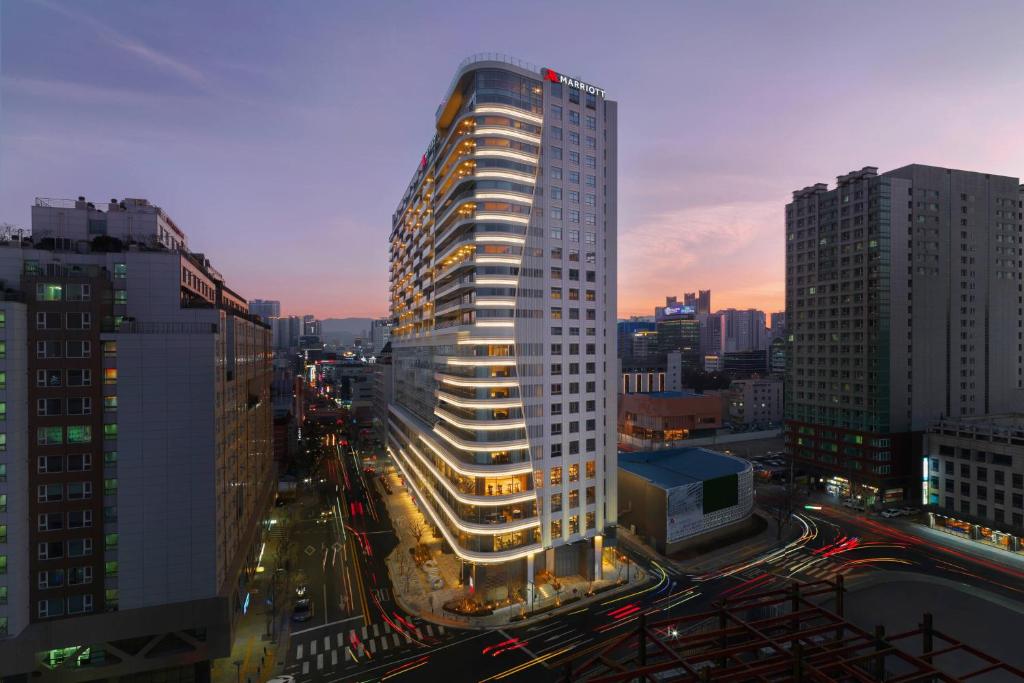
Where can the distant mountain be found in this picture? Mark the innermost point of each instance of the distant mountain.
(344, 330)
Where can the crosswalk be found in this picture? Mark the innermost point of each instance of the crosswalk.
(356, 644)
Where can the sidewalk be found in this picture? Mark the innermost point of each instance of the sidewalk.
(255, 656)
(415, 596)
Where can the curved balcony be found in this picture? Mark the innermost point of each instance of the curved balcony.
(478, 403)
(497, 557)
(515, 155)
(515, 133)
(478, 447)
(476, 361)
(469, 498)
(484, 424)
(451, 288)
(458, 522)
(477, 382)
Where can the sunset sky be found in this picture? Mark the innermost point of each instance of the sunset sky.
(280, 136)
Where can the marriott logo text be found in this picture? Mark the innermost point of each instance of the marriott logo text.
(556, 77)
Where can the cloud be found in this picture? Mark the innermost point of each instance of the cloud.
(691, 247)
(132, 46)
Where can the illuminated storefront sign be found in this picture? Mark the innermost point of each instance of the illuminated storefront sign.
(556, 77)
(924, 481)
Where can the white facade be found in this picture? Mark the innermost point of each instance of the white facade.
(503, 258)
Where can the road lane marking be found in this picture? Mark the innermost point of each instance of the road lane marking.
(395, 636)
(383, 644)
(314, 628)
(373, 647)
(376, 631)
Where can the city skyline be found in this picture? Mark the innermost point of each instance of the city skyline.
(258, 138)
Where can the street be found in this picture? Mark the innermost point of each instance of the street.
(358, 632)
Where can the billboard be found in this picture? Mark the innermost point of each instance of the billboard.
(684, 511)
(674, 311)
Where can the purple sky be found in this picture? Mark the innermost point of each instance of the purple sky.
(281, 135)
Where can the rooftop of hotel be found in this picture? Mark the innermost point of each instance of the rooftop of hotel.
(673, 467)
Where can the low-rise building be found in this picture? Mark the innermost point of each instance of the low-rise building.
(665, 418)
(755, 403)
(972, 478)
(677, 497)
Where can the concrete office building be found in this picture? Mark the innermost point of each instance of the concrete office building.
(503, 253)
(136, 387)
(902, 306)
(682, 496)
(972, 478)
(679, 330)
(755, 402)
(661, 419)
(265, 309)
(625, 331)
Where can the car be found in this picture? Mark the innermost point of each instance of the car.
(303, 610)
(301, 590)
(892, 512)
(283, 678)
(907, 510)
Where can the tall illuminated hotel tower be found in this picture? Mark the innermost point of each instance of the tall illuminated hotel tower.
(503, 266)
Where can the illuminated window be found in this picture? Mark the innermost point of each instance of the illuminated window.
(111, 568)
(3, 318)
(79, 433)
(109, 486)
(120, 270)
(591, 469)
(110, 403)
(48, 291)
(110, 348)
(3, 349)
(109, 431)
(109, 375)
(574, 472)
(120, 296)
(538, 479)
(3, 379)
(556, 476)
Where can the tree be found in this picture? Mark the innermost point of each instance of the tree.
(418, 529)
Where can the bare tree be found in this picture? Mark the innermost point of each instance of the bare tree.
(418, 529)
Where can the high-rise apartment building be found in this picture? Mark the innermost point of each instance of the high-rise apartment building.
(741, 330)
(380, 334)
(265, 308)
(503, 266)
(778, 324)
(136, 390)
(700, 301)
(903, 305)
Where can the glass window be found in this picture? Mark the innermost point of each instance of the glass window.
(49, 291)
(556, 133)
(109, 375)
(556, 173)
(110, 431)
(574, 157)
(556, 476)
(79, 433)
(556, 111)
(48, 436)
(121, 269)
(556, 153)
